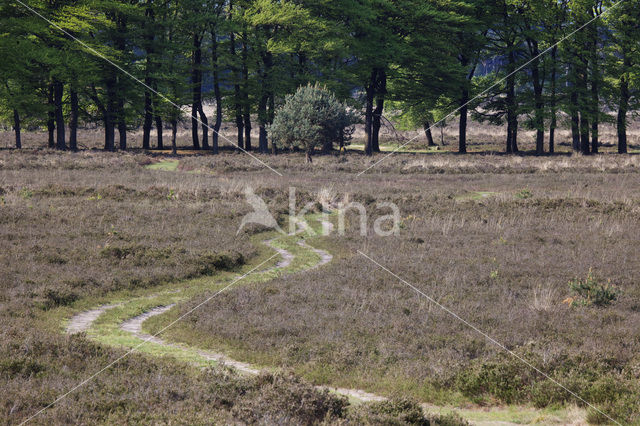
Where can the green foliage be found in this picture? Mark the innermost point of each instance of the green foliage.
(312, 118)
(590, 291)
(503, 381)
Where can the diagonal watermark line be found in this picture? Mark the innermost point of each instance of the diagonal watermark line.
(493, 85)
(491, 339)
(130, 351)
(137, 80)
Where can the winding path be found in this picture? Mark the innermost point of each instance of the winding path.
(133, 326)
(83, 321)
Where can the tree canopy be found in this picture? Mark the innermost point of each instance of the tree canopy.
(525, 63)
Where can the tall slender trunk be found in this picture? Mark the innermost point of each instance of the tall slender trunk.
(537, 96)
(427, 131)
(148, 81)
(462, 127)
(368, 115)
(623, 104)
(196, 89)
(573, 109)
(236, 91)
(552, 101)
(174, 131)
(381, 89)
(270, 114)
(122, 123)
(595, 95)
(217, 93)
(51, 118)
(375, 126)
(205, 127)
(584, 133)
(16, 128)
(73, 118)
(159, 129)
(246, 114)
(265, 88)
(148, 118)
(122, 134)
(58, 92)
(464, 108)
(584, 113)
(510, 101)
(121, 44)
(109, 117)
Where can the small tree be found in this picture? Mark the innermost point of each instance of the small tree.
(312, 118)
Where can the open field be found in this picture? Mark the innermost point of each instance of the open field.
(495, 239)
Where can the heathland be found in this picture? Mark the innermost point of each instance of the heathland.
(538, 253)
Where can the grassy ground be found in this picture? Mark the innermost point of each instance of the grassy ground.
(80, 229)
(496, 239)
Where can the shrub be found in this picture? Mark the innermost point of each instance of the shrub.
(312, 118)
(591, 292)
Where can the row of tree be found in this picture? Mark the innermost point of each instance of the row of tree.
(138, 63)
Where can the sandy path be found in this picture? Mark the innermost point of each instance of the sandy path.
(325, 257)
(134, 326)
(287, 257)
(83, 320)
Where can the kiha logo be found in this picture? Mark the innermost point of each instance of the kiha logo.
(384, 224)
(260, 214)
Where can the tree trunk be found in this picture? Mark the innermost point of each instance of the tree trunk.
(595, 97)
(510, 101)
(308, 157)
(58, 92)
(159, 131)
(73, 119)
(205, 127)
(584, 113)
(174, 131)
(109, 115)
(122, 134)
(121, 44)
(509, 147)
(236, 91)
(265, 88)
(109, 133)
(623, 105)
(271, 113)
(427, 131)
(552, 102)
(462, 128)
(196, 90)
(464, 108)
(122, 124)
(246, 106)
(149, 37)
(584, 133)
(368, 120)
(381, 89)
(217, 93)
(16, 128)
(575, 119)
(148, 118)
(51, 118)
(262, 123)
(537, 95)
